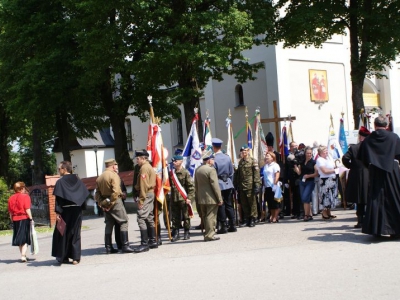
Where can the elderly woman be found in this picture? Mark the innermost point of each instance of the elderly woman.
(270, 173)
(19, 208)
(307, 171)
(328, 187)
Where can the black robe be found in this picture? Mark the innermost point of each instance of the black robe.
(69, 245)
(378, 152)
(357, 180)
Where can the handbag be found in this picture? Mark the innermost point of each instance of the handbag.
(34, 240)
(61, 226)
(278, 197)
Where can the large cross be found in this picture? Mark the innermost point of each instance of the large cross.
(276, 120)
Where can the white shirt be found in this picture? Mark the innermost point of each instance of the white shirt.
(327, 163)
(269, 172)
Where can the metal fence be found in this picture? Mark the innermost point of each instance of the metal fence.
(40, 206)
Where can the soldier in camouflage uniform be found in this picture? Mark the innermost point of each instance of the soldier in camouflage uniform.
(247, 182)
(179, 204)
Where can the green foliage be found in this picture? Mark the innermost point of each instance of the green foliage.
(4, 215)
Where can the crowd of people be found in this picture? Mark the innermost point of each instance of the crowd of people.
(226, 197)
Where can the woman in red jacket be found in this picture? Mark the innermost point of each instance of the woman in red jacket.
(19, 207)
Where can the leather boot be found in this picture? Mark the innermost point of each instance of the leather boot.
(186, 235)
(359, 222)
(151, 231)
(108, 244)
(243, 224)
(144, 242)
(252, 224)
(232, 227)
(175, 235)
(222, 228)
(125, 242)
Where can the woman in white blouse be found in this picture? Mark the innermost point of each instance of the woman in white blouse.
(328, 187)
(270, 173)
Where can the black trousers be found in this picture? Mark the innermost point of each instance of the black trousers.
(226, 209)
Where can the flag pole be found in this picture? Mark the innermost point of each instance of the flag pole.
(233, 163)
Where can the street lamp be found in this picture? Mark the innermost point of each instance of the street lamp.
(95, 153)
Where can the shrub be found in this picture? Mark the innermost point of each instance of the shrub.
(4, 195)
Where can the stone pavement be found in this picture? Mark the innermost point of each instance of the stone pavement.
(292, 259)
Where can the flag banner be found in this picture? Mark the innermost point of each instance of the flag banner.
(230, 147)
(334, 149)
(158, 161)
(283, 144)
(250, 139)
(342, 137)
(260, 145)
(192, 151)
(181, 191)
(207, 135)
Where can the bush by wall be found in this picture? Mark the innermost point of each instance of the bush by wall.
(4, 195)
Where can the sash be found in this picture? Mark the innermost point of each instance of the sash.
(181, 191)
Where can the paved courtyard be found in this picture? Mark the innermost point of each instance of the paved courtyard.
(290, 260)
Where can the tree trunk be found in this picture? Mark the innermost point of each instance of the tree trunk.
(63, 134)
(357, 100)
(38, 177)
(4, 155)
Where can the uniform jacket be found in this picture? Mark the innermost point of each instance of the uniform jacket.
(224, 167)
(247, 175)
(187, 183)
(146, 181)
(108, 186)
(206, 185)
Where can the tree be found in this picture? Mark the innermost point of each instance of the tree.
(199, 40)
(40, 78)
(372, 26)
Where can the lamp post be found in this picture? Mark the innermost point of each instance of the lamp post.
(95, 153)
(33, 171)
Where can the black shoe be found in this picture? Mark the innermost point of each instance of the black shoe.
(243, 224)
(294, 217)
(222, 228)
(151, 231)
(109, 247)
(252, 224)
(175, 235)
(159, 241)
(125, 242)
(144, 241)
(198, 227)
(186, 234)
(256, 221)
(232, 229)
(358, 225)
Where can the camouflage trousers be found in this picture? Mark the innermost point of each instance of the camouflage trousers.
(249, 203)
(179, 213)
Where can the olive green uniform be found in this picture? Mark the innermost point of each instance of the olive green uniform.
(246, 180)
(179, 207)
(109, 186)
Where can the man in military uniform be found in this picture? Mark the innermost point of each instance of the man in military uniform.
(247, 182)
(182, 192)
(224, 167)
(146, 181)
(208, 194)
(108, 196)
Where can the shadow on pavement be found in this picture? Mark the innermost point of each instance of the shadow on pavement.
(352, 238)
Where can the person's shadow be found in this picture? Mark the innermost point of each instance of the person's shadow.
(351, 238)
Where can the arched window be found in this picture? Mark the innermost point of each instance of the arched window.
(128, 134)
(179, 130)
(239, 95)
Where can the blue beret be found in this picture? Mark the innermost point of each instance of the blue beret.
(244, 147)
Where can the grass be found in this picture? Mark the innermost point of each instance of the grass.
(38, 230)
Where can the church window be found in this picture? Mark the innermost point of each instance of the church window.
(128, 134)
(239, 95)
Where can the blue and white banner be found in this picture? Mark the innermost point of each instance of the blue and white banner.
(192, 151)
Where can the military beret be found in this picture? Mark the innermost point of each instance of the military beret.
(177, 157)
(216, 142)
(142, 152)
(110, 162)
(244, 147)
(206, 155)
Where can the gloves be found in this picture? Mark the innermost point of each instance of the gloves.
(256, 189)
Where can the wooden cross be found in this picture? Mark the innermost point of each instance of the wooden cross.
(276, 120)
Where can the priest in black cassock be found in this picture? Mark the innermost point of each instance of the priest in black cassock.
(358, 178)
(378, 152)
(70, 194)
